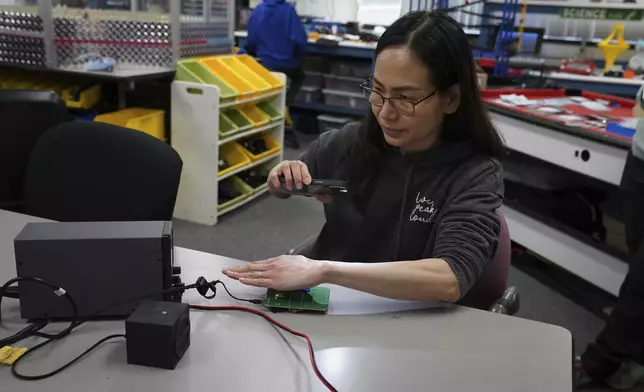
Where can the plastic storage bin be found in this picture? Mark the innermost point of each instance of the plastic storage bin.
(257, 117)
(243, 189)
(235, 155)
(346, 99)
(343, 83)
(361, 70)
(313, 79)
(226, 127)
(150, 121)
(327, 122)
(308, 95)
(270, 111)
(355, 69)
(276, 83)
(341, 68)
(239, 119)
(258, 83)
(196, 72)
(244, 88)
(85, 99)
(272, 144)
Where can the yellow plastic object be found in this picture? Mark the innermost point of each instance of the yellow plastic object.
(85, 99)
(256, 116)
(242, 86)
(272, 144)
(612, 50)
(244, 189)
(234, 155)
(190, 70)
(259, 84)
(150, 121)
(253, 65)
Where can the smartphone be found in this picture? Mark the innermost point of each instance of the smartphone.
(317, 187)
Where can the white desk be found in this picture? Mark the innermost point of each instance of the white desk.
(452, 349)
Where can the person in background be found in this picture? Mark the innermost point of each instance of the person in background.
(420, 220)
(616, 358)
(277, 37)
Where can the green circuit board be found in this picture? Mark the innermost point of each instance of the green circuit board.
(315, 300)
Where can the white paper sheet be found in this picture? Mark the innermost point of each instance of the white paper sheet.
(344, 301)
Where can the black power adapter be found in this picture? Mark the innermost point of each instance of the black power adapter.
(158, 334)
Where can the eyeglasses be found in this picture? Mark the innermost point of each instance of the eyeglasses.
(404, 106)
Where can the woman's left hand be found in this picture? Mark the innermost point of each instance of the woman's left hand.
(283, 273)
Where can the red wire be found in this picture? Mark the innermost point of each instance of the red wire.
(271, 320)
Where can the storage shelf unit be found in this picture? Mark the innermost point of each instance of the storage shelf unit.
(195, 136)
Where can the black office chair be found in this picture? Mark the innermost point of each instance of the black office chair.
(25, 116)
(490, 292)
(87, 171)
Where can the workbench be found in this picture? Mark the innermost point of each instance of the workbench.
(595, 154)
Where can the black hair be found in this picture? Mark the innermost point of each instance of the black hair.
(441, 44)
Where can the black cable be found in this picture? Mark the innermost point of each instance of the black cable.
(458, 7)
(202, 286)
(486, 16)
(14, 367)
(34, 329)
(252, 301)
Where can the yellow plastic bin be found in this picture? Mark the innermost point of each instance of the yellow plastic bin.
(270, 111)
(272, 144)
(258, 83)
(243, 87)
(190, 70)
(241, 187)
(235, 155)
(253, 65)
(239, 119)
(150, 121)
(85, 99)
(256, 116)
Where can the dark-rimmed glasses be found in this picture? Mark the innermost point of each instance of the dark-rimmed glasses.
(404, 106)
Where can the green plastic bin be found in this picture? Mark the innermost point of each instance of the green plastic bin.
(194, 71)
(270, 111)
(242, 187)
(237, 117)
(226, 127)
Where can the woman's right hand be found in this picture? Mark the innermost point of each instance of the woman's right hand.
(296, 174)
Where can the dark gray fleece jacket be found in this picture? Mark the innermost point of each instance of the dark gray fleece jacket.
(439, 203)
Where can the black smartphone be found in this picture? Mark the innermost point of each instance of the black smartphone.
(317, 187)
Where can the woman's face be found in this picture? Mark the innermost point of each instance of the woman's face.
(398, 73)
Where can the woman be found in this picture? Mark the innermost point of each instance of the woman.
(420, 220)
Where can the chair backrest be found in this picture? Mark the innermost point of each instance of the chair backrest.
(88, 171)
(25, 116)
(494, 279)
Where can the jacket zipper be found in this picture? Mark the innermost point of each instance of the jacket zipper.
(402, 211)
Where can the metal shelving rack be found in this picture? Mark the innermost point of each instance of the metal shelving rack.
(60, 37)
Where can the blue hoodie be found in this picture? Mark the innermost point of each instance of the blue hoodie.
(276, 35)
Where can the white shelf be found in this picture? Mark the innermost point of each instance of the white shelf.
(599, 268)
(250, 100)
(195, 136)
(244, 134)
(251, 165)
(243, 202)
